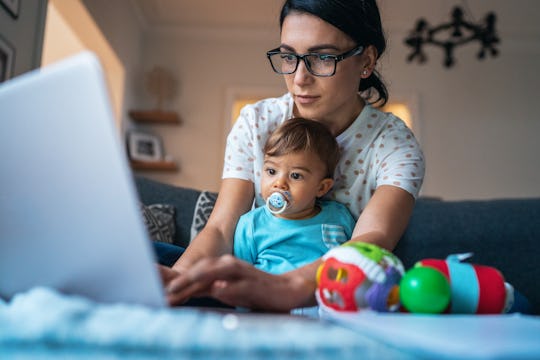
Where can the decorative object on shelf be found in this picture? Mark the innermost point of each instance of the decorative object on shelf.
(144, 147)
(160, 84)
(7, 57)
(146, 153)
(12, 7)
(459, 32)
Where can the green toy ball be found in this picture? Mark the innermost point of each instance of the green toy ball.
(424, 290)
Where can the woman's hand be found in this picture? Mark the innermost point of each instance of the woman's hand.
(238, 283)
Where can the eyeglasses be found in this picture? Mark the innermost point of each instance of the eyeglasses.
(316, 64)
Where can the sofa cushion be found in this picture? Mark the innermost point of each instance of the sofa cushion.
(183, 200)
(201, 213)
(159, 221)
(504, 234)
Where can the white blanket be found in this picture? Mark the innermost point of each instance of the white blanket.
(43, 323)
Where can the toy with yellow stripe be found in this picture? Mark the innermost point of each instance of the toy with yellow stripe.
(360, 276)
(357, 276)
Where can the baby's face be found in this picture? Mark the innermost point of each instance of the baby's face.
(299, 176)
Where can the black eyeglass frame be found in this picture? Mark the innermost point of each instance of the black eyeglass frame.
(337, 58)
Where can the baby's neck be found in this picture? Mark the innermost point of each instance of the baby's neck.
(304, 214)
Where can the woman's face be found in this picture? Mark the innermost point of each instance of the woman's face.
(332, 100)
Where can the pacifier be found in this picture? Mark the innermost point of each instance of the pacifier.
(277, 202)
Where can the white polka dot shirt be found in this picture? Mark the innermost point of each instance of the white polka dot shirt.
(377, 149)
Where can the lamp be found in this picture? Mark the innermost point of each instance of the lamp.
(460, 32)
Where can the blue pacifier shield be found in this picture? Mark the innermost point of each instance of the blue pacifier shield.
(277, 203)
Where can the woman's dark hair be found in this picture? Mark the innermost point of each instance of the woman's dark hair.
(360, 19)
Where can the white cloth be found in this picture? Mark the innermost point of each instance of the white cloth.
(44, 324)
(377, 149)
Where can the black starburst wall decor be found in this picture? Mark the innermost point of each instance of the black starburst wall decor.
(452, 34)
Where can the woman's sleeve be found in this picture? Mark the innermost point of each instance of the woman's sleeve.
(400, 159)
(239, 155)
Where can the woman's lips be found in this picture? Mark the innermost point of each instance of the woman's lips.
(306, 99)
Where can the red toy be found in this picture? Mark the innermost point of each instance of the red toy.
(359, 276)
(474, 289)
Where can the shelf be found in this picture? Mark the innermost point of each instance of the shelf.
(155, 117)
(153, 165)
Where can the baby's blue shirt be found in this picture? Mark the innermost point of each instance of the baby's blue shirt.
(278, 245)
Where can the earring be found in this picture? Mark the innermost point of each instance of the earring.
(365, 72)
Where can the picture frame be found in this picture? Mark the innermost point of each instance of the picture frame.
(7, 59)
(12, 7)
(144, 147)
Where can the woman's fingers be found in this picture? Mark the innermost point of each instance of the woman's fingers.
(200, 279)
(166, 273)
(244, 285)
(237, 283)
(191, 283)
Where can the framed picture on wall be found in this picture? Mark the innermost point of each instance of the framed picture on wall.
(144, 147)
(12, 7)
(7, 59)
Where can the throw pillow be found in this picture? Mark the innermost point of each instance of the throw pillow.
(159, 221)
(203, 209)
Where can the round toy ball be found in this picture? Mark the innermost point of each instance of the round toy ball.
(424, 290)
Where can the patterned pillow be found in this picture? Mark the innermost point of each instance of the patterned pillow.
(203, 209)
(159, 221)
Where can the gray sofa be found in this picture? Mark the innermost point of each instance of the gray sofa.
(502, 233)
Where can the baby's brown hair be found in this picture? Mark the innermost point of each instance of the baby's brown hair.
(299, 134)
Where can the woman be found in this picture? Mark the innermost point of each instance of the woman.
(327, 55)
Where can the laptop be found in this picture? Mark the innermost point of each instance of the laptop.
(69, 214)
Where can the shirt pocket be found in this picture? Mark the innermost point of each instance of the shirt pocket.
(333, 235)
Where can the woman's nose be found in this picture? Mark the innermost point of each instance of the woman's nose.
(302, 75)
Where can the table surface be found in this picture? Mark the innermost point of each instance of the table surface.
(43, 324)
(509, 336)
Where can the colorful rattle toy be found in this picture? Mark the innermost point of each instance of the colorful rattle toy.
(452, 286)
(358, 276)
(278, 202)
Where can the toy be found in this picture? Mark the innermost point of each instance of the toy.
(475, 289)
(424, 290)
(359, 276)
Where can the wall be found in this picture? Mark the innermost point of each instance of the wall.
(478, 121)
(69, 30)
(208, 64)
(120, 24)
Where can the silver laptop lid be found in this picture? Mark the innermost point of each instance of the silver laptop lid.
(69, 216)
